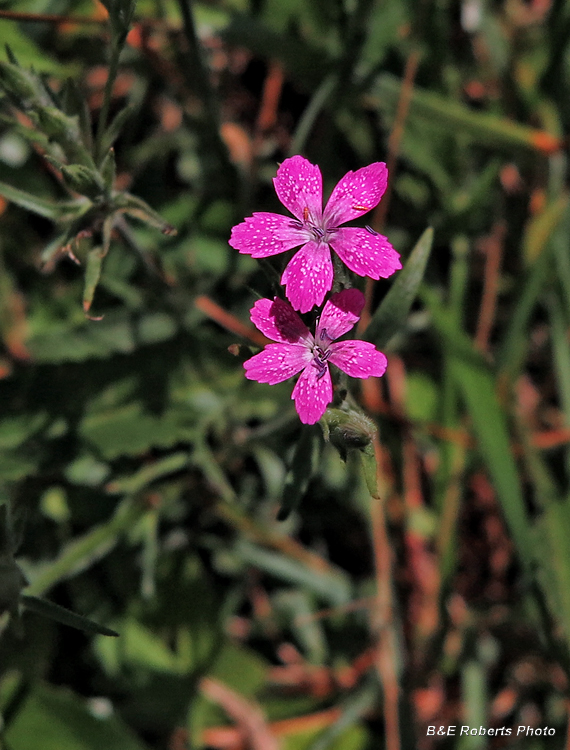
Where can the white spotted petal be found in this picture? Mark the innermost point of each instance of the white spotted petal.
(366, 252)
(277, 362)
(359, 359)
(312, 394)
(265, 234)
(356, 194)
(279, 322)
(308, 276)
(340, 313)
(299, 187)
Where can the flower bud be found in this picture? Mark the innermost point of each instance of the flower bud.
(83, 180)
(18, 83)
(347, 430)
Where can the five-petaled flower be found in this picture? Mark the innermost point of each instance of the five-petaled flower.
(309, 274)
(297, 350)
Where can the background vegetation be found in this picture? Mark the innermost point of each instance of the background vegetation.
(141, 475)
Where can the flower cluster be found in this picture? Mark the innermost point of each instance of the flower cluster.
(309, 276)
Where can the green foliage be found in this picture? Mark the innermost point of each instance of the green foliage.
(147, 485)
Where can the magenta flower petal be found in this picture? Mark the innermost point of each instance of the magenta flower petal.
(312, 393)
(299, 187)
(277, 320)
(308, 276)
(356, 194)
(366, 252)
(339, 315)
(277, 362)
(359, 359)
(265, 234)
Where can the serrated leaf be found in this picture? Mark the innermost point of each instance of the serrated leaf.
(392, 313)
(64, 616)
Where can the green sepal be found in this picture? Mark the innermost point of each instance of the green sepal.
(108, 169)
(115, 127)
(74, 103)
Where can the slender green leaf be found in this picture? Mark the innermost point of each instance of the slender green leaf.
(92, 276)
(392, 313)
(353, 709)
(47, 209)
(304, 464)
(477, 387)
(475, 382)
(64, 616)
(332, 587)
(142, 478)
(485, 128)
(138, 209)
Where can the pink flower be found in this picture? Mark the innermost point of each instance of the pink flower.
(309, 274)
(297, 350)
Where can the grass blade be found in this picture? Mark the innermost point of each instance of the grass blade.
(64, 616)
(393, 311)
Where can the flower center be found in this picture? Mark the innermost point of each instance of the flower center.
(316, 232)
(320, 357)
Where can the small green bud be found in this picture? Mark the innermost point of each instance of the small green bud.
(56, 124)
(19, 83)
(83, 180)
(347, 430)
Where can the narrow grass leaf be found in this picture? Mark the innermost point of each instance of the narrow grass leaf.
(64, 616)
(487, 129)
(477, 387)
(303, 466)
(392, 313)
(331, 587)
(47, 209)
(92, 276)
(476, 384)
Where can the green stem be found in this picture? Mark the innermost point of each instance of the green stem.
(196, 76)
(107, 96)
(312, 111)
